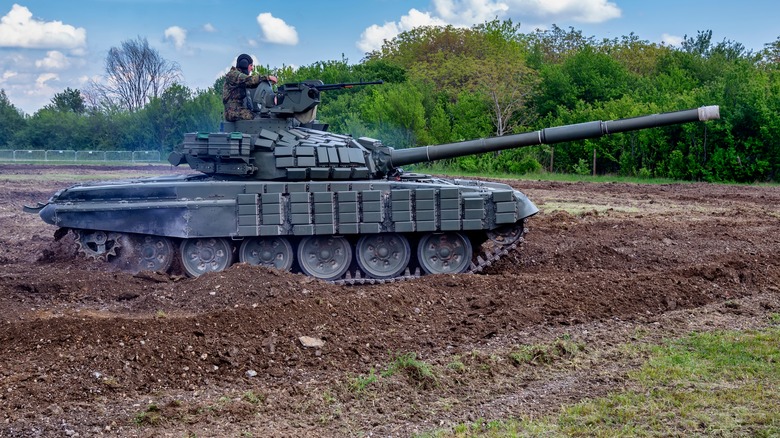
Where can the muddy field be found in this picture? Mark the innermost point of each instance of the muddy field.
(85, 351)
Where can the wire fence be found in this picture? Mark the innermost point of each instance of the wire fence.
(7, 155)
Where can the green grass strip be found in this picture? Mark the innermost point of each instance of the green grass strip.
(724, 383)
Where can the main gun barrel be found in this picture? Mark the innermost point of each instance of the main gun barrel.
(325, 87)
(553, 135)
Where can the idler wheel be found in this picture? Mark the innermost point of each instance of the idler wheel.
(444, 253)
(199, 256)
(274, 252)
(383, 255)
(324, 257)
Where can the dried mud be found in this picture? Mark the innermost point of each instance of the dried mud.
(88, 351)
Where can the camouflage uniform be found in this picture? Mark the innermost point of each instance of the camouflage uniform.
(234, 93)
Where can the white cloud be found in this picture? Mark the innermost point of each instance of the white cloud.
(177, 35)
(276, 31)
(8, 74)
(18, 28)
(469, 12)
(208, 27)
(416, 18)
(54, 60)
(46, 77)
(374, 35)
(671, 40)
(465, 13)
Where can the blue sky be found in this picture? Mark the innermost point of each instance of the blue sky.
(49, 45)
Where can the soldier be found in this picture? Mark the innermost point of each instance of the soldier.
(234, 91)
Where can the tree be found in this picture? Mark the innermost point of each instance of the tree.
(51, 129)
(134, 73)
(506, 80)
(488, 59)
(397, 112)
(554, 45)
(11, 120)
(771, 52)
(700, 45)
(640, 57)
(69, 101)
(587, 76)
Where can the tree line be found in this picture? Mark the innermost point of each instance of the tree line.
(447, 84)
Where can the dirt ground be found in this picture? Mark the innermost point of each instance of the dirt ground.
(86, 351)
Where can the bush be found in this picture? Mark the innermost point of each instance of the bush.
(677, 166)
(582, 167)
(527, 164)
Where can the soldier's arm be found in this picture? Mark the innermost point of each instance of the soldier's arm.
(252, 81)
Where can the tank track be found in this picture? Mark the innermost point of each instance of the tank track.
(491, 252)
(486, 258)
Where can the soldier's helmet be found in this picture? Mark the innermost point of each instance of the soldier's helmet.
(243, 62)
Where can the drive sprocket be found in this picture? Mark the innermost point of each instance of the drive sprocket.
(97, 245)
(507, 234)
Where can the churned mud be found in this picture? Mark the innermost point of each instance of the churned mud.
(86, 350)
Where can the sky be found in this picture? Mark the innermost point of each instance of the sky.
(47, 46)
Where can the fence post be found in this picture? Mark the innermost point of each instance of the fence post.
(552, 159)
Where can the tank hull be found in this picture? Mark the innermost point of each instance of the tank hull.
(206, 207)
(192, 208)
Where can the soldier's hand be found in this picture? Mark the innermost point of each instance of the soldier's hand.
(272, 79)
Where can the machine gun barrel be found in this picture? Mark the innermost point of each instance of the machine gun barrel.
(552, 135)
(325, 87)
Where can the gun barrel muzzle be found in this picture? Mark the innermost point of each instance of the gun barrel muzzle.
(711, 112)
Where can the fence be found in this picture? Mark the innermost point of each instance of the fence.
(79, 156)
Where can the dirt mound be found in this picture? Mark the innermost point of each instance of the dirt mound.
(90, 350)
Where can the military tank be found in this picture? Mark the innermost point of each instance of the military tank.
(281, 191)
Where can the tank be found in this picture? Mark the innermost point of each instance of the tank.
(282, 191)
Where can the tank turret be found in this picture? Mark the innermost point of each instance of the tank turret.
(281, 191)
(280, 143)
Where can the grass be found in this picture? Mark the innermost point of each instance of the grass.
(361, 383)
(544, 354)
(418, 372)
(425, 376)
(253, 398)
(724, 383)
(457, 365)
(149, 417)
(720, 383)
